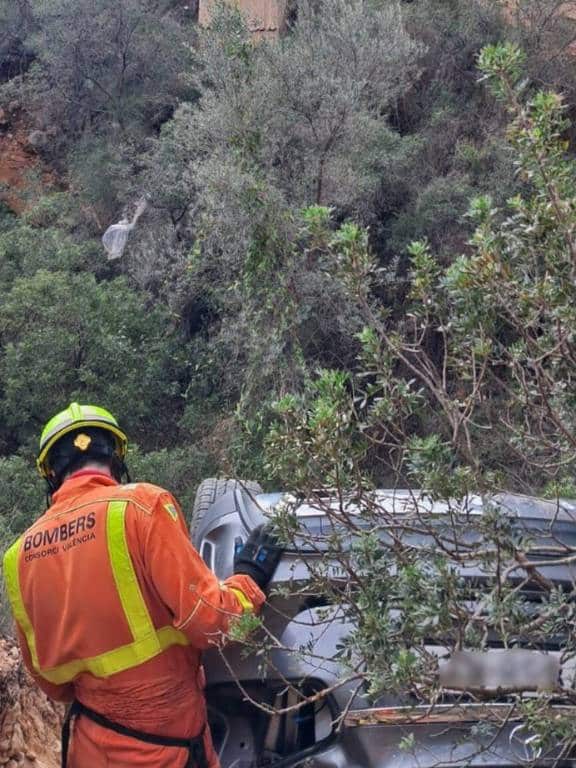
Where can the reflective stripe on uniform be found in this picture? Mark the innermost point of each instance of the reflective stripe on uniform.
(147, 643)
(127, 585)
(12, 579)
(246, 605)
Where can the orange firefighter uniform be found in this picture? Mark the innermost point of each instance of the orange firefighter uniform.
(113, 607)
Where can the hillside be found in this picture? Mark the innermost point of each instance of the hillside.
(29, 723)
(356, 266)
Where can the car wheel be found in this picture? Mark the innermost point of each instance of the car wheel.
(209, 490)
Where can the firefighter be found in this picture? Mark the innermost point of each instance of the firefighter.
(113, 605)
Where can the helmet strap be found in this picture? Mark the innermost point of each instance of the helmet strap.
(119, 470)
(51, 487)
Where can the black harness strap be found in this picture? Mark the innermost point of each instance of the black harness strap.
(195, 746)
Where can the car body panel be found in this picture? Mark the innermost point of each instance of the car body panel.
(314, 632)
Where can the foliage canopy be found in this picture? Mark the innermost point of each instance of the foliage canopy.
(357, 269)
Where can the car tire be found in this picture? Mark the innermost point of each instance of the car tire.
(209, 490)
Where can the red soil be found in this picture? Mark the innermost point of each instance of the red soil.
(19, 164)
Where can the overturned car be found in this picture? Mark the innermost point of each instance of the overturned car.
(304, 708)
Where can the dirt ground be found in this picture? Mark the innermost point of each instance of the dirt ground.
(29, 722)
(20, 168)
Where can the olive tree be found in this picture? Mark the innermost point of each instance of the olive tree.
(463, 395)
(15, 24)
(278, 127)
(66, 337)
(105, 63)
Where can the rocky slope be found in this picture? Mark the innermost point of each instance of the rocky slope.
(20, 167)
(29, 722)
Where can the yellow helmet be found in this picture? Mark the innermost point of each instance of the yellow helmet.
(78, 417)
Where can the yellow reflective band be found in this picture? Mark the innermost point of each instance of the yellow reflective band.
(127, 585)
(12, 579)
(245, 604)
(148, 641)
(118, 660)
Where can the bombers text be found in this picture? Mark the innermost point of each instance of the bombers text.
(60, 533)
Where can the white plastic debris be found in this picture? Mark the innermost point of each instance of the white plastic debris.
(115, 238)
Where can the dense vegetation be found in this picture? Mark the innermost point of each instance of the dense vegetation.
(356, 266)
(224, 300)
